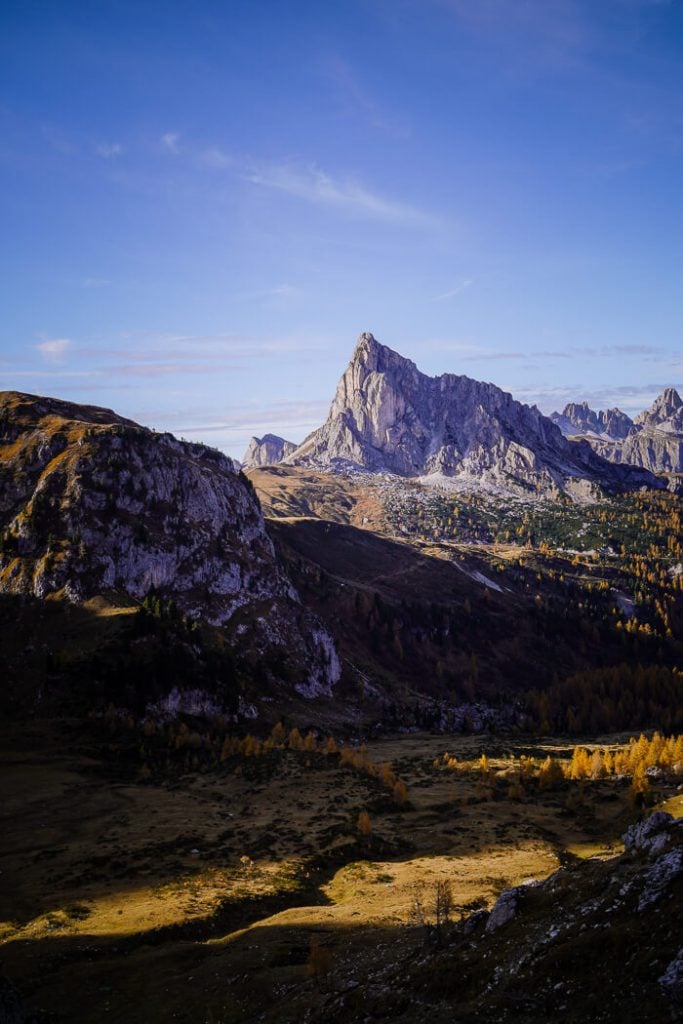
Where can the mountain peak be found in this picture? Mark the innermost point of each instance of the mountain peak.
(266, 451)
(369, 351)
(366, 339)
(668, 402)
(667, 406)
(579, 419)
(371, 356)
(388, 417)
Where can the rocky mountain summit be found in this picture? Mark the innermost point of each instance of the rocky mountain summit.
(388, 417)
(581, 419)
(666, 411)
(266, 451)
(93, 505)
(653, 440)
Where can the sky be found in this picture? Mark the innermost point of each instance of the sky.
(203, 205)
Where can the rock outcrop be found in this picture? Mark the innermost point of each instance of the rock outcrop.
(92, 504)
(653, 440)
(388, 417)
(582, 420)
(267, 451)
(656, 441)
(666, 411)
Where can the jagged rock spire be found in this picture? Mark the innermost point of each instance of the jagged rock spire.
(389, 417)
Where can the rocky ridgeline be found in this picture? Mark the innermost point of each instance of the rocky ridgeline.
(266, 451)
(610, 424)
(92, 504)
(652, 441)
(388, 417)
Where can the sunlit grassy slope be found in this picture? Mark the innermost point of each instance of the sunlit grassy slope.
(199, 894)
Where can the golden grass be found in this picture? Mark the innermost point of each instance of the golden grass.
(255, 861)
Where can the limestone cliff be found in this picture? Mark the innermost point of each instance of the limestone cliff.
(653, 441)
(582, 420)
(388, 417)
(266, 451)
(91, 504)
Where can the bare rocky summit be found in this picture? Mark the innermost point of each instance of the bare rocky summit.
(582, 420)
(388, 417)
(653, 440)
(268, 450)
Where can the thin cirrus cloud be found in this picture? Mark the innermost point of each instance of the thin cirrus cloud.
(547, 34)
(96, 282)
(314, 185)
(216, 157)
(232, 346)
(629, 398)
(357, 102)
(141, 354)
(286, 414)
(53, 350)
(170, 142)
(109, 150)
(458, 289)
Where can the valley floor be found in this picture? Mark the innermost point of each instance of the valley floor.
(247, 892)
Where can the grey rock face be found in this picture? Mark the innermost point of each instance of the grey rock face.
(267, 451)
(666, 408)
(656, 441)
(581, 419)
(505, 908)
(96, 505)
(646, 836)
(663, 872)
(653, 441)
(388, 417)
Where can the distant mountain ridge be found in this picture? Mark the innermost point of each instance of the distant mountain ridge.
(581, 419)
(388, 417)
(653, 440)
(266, 451)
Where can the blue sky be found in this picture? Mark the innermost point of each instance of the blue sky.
(203, 205)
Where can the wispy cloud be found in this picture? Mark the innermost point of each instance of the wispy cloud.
(109, 150)
(170, 142)
(458, 289)
(630, 398)
(470, 351)
(54, 350)
(496, 356)
(305, 181)
(314, 185)
(285, 291)
(609, 351)
(57, 140)
(55, 374)
(216, 157)
(139, 353)
(528, 34)
(358, 102)
(96, 282)
(292, 415)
